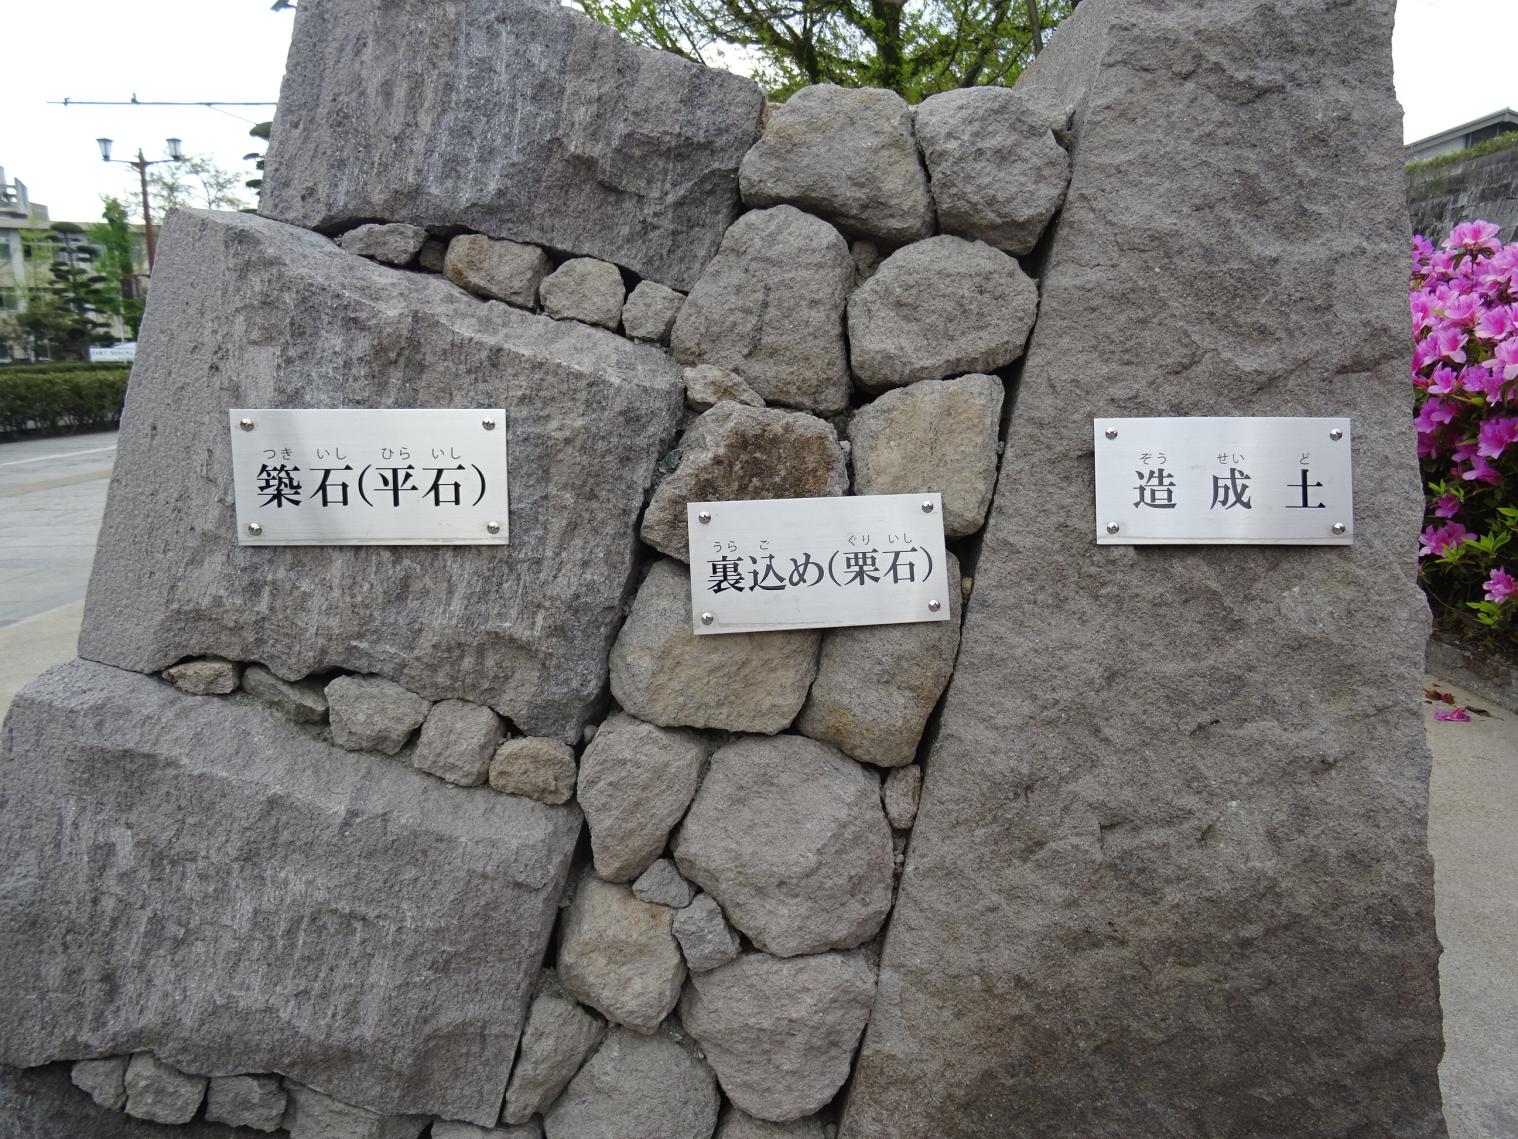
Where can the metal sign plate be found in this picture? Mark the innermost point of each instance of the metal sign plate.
(365, 477)
(817, 563)
(1224, 481)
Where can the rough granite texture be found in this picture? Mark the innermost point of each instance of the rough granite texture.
(457, 742)
(256, 1102)
(706, 940)
(449, 1129)
(209, 677)
(300, 898)
(39, 1103)
(104, 1081)
(542, 769)
(558, 131)
(618, 955)
(707, 385)
(370, 713)
(312, 1115)
(650, 310)
(161, 1092)
(303, 701)
(737, 1124)
(662, 885)
(638, 1087)
(251, 313)
(496, 268)
(558, 1037)
(1170, 875)
(393, 244)
(586, 289)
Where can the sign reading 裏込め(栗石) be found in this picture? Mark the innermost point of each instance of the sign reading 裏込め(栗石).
(814, 563)
(369, 477)
(1206, 480)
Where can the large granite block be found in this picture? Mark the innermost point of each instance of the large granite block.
(252, 313)
(516, 118)
(1170, 874)
(204, 880)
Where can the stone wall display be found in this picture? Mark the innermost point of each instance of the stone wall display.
(40, 1103)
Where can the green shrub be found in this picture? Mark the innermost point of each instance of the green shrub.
(61, 397)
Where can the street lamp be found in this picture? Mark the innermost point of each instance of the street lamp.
(141, 164)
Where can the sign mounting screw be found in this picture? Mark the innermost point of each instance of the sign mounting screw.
(488, 424)
(1113, 527)
(707, 618)
(1110, 433)
(255, 529)
(704, 517)
(1336, 434)
(927, 506)
(245, 424)
(492, 527)
(934, 606)
(1339, 527)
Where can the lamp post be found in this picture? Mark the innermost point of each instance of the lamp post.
(141, 164)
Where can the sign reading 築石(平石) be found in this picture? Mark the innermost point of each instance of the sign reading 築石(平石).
(814, 563)
(369, 477)
(1206, 480)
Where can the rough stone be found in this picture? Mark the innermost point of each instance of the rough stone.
(160, 1092)
(663, 673)
(103, 1080)
(706, 940)
(209, 677)
(558, 1037)
(846, 154)
(877, 685)
(457, 742)
(770, 307)
(40, 1103)
(251, 313)
(781, 1032)
(998, 173)
(370, 713)
(257, 1102)
(433, 256)
(537, 767)
(789, 836)
(738, 1124)
(650, 311)
(707, 385)
(637, 1087)
(1170, 875)
(636, 779)
(662, 885)
(555, 130)
(304, 896)
(494, 267)
(736, 452)
(393, 243)
(866, 255)
(312, 1115)
(617, 955)
(940, 307)
(935, 435)
(448, 1129)
(899, 793)
(303, 701)
(584, 289)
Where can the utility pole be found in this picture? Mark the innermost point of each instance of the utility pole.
(141, 164)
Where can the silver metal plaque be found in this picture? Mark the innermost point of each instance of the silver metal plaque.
(1224, 481)
(816, 563)
(364, 477)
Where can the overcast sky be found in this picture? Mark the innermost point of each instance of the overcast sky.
(1454, 61)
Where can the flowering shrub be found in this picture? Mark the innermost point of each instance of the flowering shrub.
(1464, 300)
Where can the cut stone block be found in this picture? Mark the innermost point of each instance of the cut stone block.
(706, 940)
(707, 385)
(40, 1103)
(650, 310)
(275, 899)
(370, 713)
(457, 742)
(515, 118)
(492, 267)
(312, 1115)
(251, 313)
(584, 288)
(662, 885)
(210, 677)
(542, 769)
(394, 244)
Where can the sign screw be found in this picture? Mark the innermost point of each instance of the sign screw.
(1336, 434)
(1113, 527)
(255, 529)
(1110, 433)
(488, 424)
(245, 424)
(492, 527)
(934, 606)
(707, 618)
(1339, 527)
(927, 506)
(704, 517)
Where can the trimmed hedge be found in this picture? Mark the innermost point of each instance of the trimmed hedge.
(52, 397)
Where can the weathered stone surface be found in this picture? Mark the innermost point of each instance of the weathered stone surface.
(585, 289)
(636, 779)
(250, 313)
(998, 173)
(540, 768)
(707, 385)
(663, 673)
(789, 836)
(303, 897)
(257, 1102)
(494, 267)
(877, 685)
(394, 243)
(370, 713)
(102, 1080)
(303, 701)
(737, 1124)
(662, 885)
(706, 940)
(161, 1092)
(637, 1087)
(209, 677)
(39, 1103)
(899, 793)
(448, 1129)
(558, 1037)
(555, 131)
(940, 307)
(433, 255)
(312, 1115)
(937, 435)
(770, 308)
(1152, 844)
(457, 742)
(650, 310)
(846, 154)
(781, 1032)
(866, 255)
(736, 452)
(617, 955)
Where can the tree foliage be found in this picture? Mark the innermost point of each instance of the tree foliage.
(113, 238)
(916, 49)
(197, 181)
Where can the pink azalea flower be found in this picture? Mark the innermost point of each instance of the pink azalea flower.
(1482, 381)
(1444, 381)
(1439, 542)
(1423, 311)
(1450, 342)
(1495, 436)
(1506, 357)
(1447, 506)
(1422, 247)
(1495, 323)
(1482, 471)
(1462, 309)
(1471, 235)
(1435, 412)
(1500, 586)
(1457, 714)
